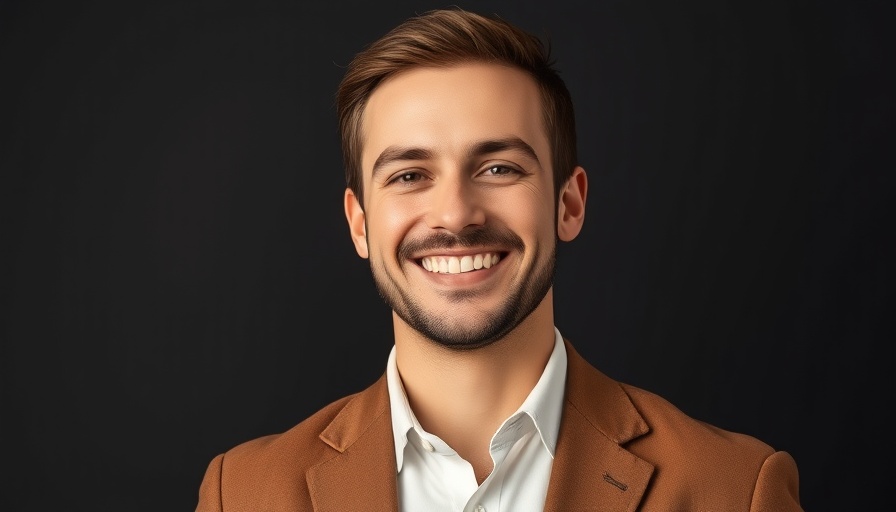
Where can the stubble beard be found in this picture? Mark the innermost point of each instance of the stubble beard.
(466, 334)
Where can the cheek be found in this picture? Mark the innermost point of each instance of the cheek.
(530, 211)
(396, 217)
(390, 222)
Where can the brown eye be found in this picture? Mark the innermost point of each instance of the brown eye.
(500, 170)
(407, 177)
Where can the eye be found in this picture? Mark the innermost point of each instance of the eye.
(500, 170)
(407, 177)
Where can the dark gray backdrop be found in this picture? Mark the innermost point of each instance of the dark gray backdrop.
(180, 278)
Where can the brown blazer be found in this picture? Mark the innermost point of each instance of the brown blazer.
(620, 448)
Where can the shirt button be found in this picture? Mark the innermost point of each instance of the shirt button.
(428, 447)
(480, 508)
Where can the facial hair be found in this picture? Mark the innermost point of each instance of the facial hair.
(519, 304)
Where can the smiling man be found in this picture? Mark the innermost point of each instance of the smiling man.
(459, 143)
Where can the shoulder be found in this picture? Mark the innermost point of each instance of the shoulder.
(704, 465)
(270, 469)
(647, 423)
(298, 447)
(677, 432)
(696, 465)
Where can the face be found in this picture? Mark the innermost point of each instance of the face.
(459, 222)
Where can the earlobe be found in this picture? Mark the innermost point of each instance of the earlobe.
(354, 214)
(571, 205)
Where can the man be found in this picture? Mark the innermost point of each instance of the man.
(459, 145)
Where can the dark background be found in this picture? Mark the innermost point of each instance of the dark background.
(179, 277)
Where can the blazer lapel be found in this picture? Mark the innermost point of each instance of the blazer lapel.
(591, 470)
(362, 474)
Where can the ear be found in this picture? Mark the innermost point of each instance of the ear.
(354, 214)
(571, 205)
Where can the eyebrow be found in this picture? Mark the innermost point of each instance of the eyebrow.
(494, 146)
(397, 154)
(485, 147)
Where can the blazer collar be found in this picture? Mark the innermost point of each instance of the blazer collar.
(362, 475)
(591, 468)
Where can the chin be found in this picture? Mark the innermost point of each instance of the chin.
(460, 333)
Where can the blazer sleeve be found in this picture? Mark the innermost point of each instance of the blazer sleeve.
(777, 488)
(210, 490)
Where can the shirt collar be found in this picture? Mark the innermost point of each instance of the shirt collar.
(544, 403)
(403, 419)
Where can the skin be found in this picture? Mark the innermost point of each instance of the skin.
(456, 162)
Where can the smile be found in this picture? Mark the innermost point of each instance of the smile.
(459, 264)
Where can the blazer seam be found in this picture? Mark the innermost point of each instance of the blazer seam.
(221, 484)
(313, 489)
(369, 426)
(756, 480)
(585, 417)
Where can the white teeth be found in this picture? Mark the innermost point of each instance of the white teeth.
(459, 265)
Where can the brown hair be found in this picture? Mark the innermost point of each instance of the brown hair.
(443, 38)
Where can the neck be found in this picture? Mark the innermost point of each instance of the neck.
(463, 396)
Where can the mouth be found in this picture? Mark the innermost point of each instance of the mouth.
(452, 264)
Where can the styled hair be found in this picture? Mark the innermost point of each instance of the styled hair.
(443, 38)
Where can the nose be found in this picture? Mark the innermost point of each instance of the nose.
(454, 205)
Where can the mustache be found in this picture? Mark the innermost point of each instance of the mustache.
(471, 237)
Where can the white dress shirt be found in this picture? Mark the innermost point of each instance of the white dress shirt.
(434, 478)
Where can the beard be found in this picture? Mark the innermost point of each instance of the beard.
(467, 334)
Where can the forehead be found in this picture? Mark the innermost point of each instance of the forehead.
(446, 110)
